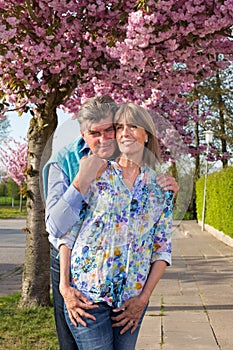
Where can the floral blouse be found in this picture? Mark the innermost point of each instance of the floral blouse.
(122, 234)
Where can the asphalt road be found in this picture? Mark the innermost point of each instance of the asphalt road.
(12, 245)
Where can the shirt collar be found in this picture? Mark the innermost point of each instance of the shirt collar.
(85, 148)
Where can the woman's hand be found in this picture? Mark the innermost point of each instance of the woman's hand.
(132, 312)
(76, 304)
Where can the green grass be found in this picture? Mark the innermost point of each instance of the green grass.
(7, 201)
(11, 213)
(27, 328)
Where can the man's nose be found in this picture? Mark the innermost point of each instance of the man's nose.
(104, 137)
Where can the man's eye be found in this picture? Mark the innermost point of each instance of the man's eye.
(132, 126)
(94, 133)
(111, 129)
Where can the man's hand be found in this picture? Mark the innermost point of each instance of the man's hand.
(76, 304)
(168, 183)
(132, 312)
(90, 168)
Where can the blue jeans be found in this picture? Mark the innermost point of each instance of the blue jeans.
(65, 338)
(100, 335)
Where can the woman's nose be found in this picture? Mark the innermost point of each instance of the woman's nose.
(125, 130)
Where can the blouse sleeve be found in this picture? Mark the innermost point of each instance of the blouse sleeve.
(163, 232)
(69, 238)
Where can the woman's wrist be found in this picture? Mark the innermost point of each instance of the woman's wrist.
(64, 288)
(144, 297)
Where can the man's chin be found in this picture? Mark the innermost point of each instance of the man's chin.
(106, 154)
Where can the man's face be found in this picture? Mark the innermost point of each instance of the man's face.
(100, 137)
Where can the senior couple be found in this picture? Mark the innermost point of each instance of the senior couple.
(109, 219)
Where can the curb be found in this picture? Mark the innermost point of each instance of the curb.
(221, 236)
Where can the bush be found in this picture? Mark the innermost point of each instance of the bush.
(219, 200)
(9, 187)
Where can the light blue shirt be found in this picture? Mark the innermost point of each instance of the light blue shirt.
(63, 204)
(63, 201)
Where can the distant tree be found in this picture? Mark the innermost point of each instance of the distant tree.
(14, 161)
(215, 109)
(4, 128)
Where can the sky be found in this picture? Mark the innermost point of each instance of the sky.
(66, 131)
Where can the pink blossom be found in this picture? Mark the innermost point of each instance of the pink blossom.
(152, 55)
(12, 20)
(14, 160)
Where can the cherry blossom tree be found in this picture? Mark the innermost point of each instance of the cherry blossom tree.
(14, 157)
(57, 53)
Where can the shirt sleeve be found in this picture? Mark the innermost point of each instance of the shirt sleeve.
(63, 203)
(162, 246)
(70, 237)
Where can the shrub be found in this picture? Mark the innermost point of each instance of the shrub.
(219, 200)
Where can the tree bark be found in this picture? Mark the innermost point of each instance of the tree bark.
(193, 208)
(221, 108)
(20, 202)
(36, 273)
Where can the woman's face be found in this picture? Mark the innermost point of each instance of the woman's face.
(130, 138)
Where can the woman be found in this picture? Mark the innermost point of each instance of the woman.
(124, 243)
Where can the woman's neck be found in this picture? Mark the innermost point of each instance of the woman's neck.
(126, 162)
(130, 171)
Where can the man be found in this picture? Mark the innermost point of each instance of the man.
(66, 176)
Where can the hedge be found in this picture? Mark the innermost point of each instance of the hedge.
(219, 200)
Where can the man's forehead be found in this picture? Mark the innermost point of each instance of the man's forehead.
(100, 125)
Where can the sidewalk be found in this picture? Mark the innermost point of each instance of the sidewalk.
(192, 306)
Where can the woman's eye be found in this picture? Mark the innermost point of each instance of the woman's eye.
(133, 126)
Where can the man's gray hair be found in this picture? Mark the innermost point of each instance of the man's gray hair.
(95, 109)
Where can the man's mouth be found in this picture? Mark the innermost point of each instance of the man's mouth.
(106, 146)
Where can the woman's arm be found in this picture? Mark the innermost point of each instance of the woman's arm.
(155, 274)
(160, 258)
(133, 308)
(76, 302)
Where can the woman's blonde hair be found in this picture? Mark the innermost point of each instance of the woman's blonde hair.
(137, 115)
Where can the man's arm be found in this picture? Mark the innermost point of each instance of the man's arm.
(63, 203)
(168, 183)
(64, 200)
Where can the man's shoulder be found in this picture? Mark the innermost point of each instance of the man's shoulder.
(67, 158)
(74, 148)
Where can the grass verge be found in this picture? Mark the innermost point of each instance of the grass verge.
(27, 328)
(12, 213)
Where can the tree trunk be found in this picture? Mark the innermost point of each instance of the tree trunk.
(193, 208)
(223, 137)
(20, 202)
(221, 107)
(12, 195)
(36, 274)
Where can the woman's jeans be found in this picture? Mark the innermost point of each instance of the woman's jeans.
(65, 338)
(99, 334)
